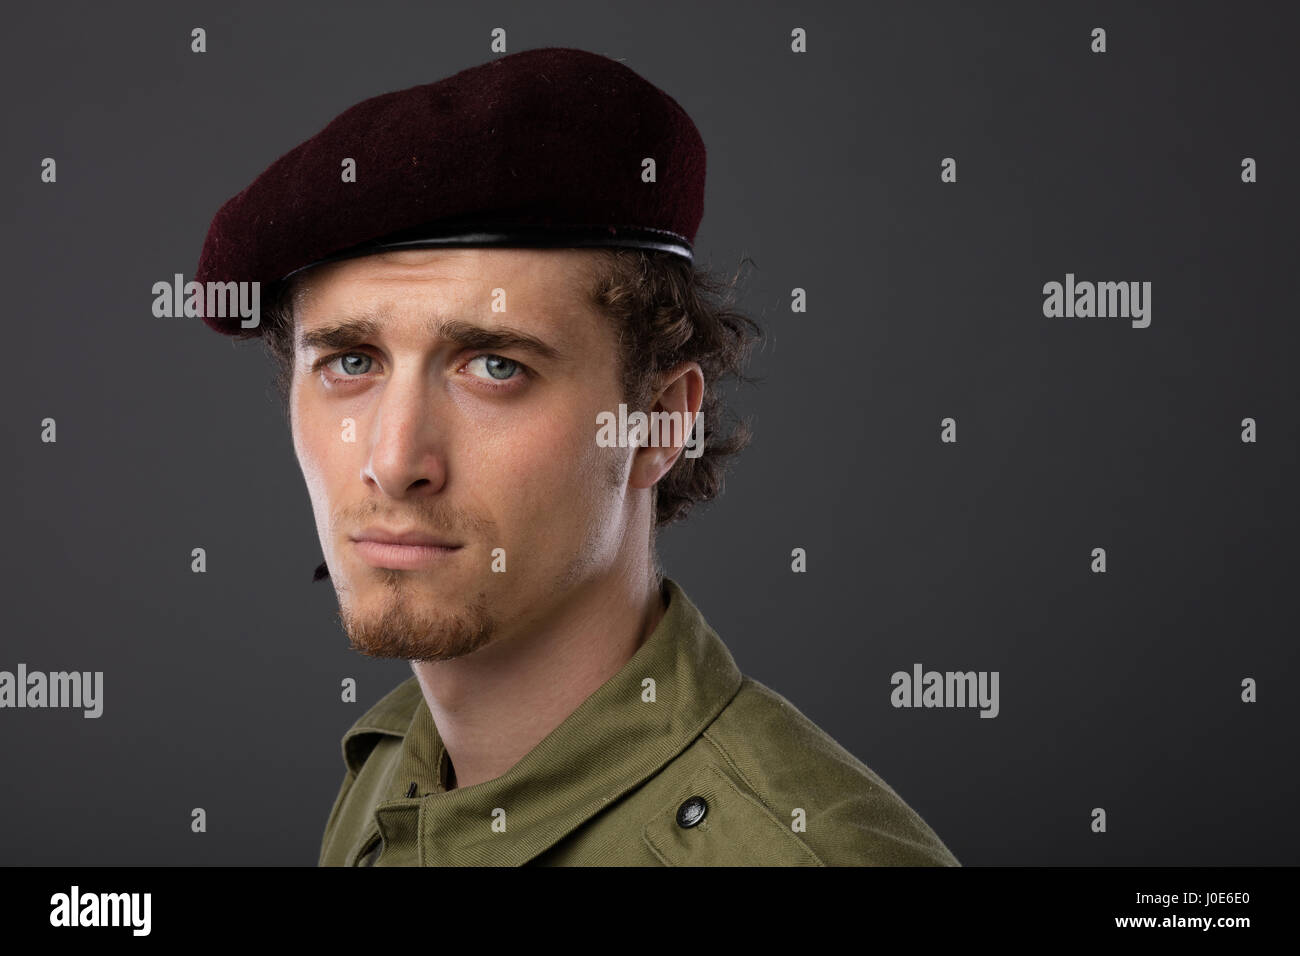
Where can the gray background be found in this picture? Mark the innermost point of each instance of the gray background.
(1118, 690)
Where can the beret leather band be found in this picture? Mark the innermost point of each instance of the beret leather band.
(542, 237)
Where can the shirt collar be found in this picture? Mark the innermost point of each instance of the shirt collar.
(660, 701)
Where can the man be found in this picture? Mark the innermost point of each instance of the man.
(508, 264)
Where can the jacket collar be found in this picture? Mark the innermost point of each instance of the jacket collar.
(673, 687)
(391, 717)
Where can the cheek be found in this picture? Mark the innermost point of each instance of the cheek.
(547, 476)
(317, 445)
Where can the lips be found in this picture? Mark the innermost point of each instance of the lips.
(413, 537)
(404, 550)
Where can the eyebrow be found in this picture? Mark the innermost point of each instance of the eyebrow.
(350, 332)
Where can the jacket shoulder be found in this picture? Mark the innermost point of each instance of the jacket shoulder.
(848, 814)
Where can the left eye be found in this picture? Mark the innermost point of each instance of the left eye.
(499, 368)
(350, 363)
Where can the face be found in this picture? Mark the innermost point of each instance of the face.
(447, 399)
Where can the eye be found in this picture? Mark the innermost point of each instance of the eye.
(498, 367)
(353, 363)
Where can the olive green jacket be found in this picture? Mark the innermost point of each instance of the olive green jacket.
(676, 760)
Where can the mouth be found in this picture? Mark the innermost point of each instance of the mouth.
(407, 551)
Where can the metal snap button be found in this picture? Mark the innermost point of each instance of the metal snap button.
(691, 812)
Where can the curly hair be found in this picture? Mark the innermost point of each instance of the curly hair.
(666, 311)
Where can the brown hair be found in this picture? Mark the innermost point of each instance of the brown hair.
(666, 311)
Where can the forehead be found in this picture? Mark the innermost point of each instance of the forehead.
(544, 284)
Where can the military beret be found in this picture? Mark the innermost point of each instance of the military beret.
(542, 148)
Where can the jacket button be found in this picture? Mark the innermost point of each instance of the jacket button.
(691, 812)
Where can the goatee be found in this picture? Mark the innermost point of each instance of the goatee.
(404, 632)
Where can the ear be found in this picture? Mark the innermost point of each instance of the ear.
(673, 427)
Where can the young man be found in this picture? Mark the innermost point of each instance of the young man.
(510, 264)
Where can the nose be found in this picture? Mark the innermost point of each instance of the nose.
(407, 435)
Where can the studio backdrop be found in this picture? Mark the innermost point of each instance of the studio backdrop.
(1017, 525)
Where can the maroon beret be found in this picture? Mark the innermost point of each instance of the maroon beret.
(542, 148)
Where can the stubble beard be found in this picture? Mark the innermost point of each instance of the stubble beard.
(403, 631)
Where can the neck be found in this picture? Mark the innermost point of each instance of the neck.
(493, 706)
